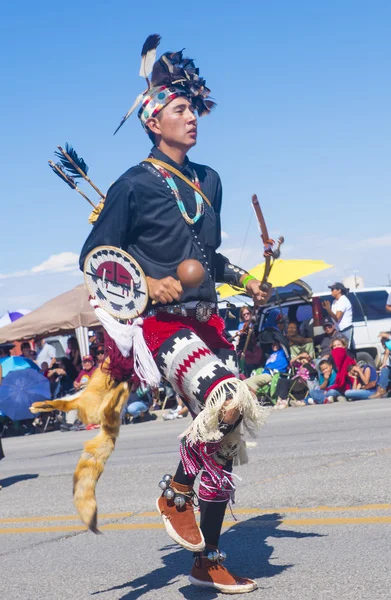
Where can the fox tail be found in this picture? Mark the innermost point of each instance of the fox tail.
(96, 452)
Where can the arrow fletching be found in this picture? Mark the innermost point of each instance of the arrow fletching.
(68, 166)
(59, 171)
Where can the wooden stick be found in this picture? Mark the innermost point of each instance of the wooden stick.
(81, 172)
(71, 183)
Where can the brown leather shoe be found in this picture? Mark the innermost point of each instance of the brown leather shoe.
(211, 574)
(380, 393)
(180, 522)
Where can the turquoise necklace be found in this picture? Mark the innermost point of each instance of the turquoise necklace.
(174, 190)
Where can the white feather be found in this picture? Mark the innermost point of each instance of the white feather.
(147, 63)
(131, 109)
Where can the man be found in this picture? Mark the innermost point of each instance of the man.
(341, 311)
(85, 374)
(298, 343)
(26, 350)
(46, 354)
(330, 334)
(163, 211)
(277, 362)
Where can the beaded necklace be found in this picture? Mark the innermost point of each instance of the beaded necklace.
(174, 190)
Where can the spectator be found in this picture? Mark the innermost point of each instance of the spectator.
(330, 334)
(46, 354)
(62, 377)
(324, 394)
(364, 382)
(341, 311)
(297, 343)
(388, 303)
(85, 374)
(178, 412)
(244, 317)
(277, 361)
(299, 384)
(100, 356)
(73, 352)
(5, 351)
(249, 353)
(139, 403)
(384, 371)
(26, 350)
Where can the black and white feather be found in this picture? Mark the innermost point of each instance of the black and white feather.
(148, 55)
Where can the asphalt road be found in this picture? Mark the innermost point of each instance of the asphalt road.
(313, 509)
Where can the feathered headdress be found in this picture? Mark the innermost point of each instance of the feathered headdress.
(172, 76)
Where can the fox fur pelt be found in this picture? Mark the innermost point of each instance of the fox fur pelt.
(101, 403)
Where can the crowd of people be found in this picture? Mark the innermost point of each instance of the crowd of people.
(283, 365)
(286, 366)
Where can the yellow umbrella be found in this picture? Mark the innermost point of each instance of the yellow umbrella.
(282, 273)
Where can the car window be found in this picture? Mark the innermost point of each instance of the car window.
(374, 304)
(304, 312)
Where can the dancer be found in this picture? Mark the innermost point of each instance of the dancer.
(163, 212)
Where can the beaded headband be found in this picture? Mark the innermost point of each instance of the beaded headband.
(171, 76)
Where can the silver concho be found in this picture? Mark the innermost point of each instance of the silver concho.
(116, 281)
(203, 311)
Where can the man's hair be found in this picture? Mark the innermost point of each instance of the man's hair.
(25, 345)
(151, 135)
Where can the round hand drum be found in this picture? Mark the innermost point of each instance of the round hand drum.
(116, 281)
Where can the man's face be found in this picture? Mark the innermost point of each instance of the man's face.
(329, 330)
(177, 123)
(87, 365)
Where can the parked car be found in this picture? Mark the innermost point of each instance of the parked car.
(298, 302)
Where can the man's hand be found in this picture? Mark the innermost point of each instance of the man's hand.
(253, 287)
(326, 305)
(164, 290)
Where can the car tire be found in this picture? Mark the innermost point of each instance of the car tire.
(366, 358)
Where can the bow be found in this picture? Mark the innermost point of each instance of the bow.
(270, 253)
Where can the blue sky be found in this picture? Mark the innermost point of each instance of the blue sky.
(303, 91)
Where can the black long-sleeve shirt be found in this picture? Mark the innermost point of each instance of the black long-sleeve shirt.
(141, 216)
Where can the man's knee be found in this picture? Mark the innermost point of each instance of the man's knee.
(255, 382)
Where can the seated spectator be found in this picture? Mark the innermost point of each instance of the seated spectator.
(384, 371)
(85, 374)
(340, 361)
(331, 333)
(295, 389)
(364, 382)
(178, 412)
(62, 376)
(277, 361)
(324, 394)
(297, 343)
(139, 403)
